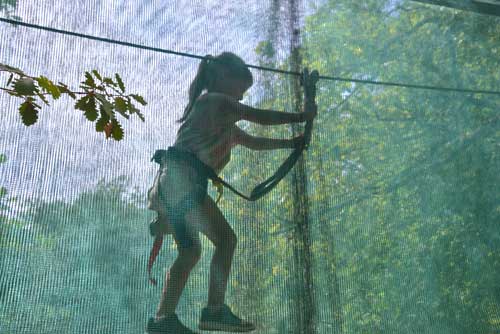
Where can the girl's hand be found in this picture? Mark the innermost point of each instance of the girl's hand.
(310, 111)
(298, 141)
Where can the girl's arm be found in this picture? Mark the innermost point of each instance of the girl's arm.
(231, 111)
(260, 143)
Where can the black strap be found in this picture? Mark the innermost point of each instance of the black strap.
(161, 157)
(308, 81)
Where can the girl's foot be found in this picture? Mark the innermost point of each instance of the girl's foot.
(223, 320)
(169, 324)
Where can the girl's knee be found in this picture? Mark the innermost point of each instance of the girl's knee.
(233, 240)
(229, 242)
(190, 255)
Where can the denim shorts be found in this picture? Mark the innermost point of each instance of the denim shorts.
(176, 211)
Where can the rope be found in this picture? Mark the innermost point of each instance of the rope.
(189, 55)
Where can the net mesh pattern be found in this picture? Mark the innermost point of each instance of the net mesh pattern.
(388, 224)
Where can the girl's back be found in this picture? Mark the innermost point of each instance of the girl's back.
(206, 134)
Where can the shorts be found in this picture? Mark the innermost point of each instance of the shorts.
(180, 185)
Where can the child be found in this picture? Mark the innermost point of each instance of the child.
(205, 138)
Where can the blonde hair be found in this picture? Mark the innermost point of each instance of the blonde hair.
(227, 63)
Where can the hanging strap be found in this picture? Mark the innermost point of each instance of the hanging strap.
(155, 250)
(308, 81)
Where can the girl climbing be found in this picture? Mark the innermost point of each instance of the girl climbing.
(202, 148)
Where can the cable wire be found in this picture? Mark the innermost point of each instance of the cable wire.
(262, 68)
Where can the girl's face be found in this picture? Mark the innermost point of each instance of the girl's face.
(238, 88)
(232, 86)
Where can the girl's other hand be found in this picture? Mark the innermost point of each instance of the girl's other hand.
(299, 141)
(310, 111)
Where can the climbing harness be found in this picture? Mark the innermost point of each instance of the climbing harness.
(220, 190)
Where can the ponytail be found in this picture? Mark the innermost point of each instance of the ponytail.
(209, 68)
(199, 83)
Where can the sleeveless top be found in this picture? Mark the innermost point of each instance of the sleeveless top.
(203, 135)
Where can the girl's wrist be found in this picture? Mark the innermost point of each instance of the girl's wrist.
(301, 117)
(296, 141)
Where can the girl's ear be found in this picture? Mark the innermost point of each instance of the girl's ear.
(212, 75)
(210, 79)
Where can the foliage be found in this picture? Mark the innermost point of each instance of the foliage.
(401, 173)
(102, 98)
(7, 8)
(68, 244)
(401, 182)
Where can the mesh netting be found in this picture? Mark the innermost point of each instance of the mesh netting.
(388, 224)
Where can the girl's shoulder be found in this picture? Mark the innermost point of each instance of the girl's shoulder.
(214, 101)
(206, 109)
(217, 108)
(212, 97)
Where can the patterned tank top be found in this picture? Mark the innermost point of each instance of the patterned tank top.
(203, 134)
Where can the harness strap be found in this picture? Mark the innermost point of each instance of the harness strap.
(152, 256)
(161, 156)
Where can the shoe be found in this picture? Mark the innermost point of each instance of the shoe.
(169, 324)
(223, 320)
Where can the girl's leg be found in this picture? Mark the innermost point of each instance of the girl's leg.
(179, 177)
(211, 222)
(177, 277)
(218, 316)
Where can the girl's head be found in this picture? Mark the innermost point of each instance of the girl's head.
(225, 73)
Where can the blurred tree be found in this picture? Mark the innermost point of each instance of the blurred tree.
(7, 8)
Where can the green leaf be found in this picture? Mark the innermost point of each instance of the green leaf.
(89, 106)
(49, 86)
(91, 115)
(3, 158)
(91, 109)
(25, 86)
(139, 99)
(70, 93)
(43, 98)
(29, 114)
(97, 75)
(8, 68)
(141, 116)
(109, 81)
(3, 192)
(44, 82)
(265, 48)
(82, 102)
(117, 131)
(89, 80)
(106, 105)
(120, 82)
(101, 123)
(131, 107)
(13, 94)
(10, 79)
(120, 104)
(64, 89)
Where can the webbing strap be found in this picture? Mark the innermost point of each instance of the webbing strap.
(155, 250)
(308, 81)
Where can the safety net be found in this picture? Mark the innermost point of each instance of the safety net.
(389, 222)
